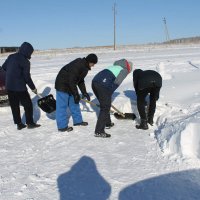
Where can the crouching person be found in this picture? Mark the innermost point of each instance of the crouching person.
(146, 82)
(104, 84)
(17, 67)
(67, 95)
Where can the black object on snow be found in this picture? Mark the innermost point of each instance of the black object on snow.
(129, 116)
(47, 103)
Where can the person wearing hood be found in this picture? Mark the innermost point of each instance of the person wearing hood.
(67, 95)
(104, 84)
(146, 82)
(17, 67)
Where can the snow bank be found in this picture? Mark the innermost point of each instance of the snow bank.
(162, 70)
(178, 132)
(190, 140)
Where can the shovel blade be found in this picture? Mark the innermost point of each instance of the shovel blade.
(47, 103)
(128, 116)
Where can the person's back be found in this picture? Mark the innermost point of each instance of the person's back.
(146, 79)
(70, 75)
(113, 75)
(106, 78)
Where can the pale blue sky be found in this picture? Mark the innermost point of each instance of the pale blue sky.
(72, 23)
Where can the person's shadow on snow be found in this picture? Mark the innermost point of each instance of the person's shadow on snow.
(131, 95)
(83, 182)
(182, 185)
(114, 95)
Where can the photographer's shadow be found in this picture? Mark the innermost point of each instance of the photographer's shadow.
(131, 95)
(182, 185)
(83, 182)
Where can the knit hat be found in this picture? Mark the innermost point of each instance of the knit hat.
(125, 64)
(129, 66)
(92, 58)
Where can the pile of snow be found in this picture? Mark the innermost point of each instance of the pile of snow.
(178, 132)
(190, 140)
(162, 70)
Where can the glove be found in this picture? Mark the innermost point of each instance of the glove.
(34, 91)
(77, 98)
(86, 95)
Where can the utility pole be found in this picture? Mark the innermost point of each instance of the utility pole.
(114, 12)
(166, 30)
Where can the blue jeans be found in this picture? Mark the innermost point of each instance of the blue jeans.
(64, 103)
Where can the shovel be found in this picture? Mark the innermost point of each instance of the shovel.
(118, 114)
(47, 103)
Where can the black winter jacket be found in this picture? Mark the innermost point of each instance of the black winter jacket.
(146, 79)
(71, 76)
(17, 67)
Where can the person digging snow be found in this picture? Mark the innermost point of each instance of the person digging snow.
(146, 82)
(67, 95)
(17, 67)
(103, 85)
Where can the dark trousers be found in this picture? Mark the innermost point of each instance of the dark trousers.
(23, 98)
(141, 103)
(104, 97)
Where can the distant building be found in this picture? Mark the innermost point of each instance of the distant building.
(8, 49)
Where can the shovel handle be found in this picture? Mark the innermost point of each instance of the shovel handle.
(119, 112)
(94, 104)
(90, 102)
(39, 95)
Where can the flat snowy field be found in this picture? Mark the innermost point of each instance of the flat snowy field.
(161, 163)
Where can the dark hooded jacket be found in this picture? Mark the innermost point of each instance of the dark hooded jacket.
(71, 76)
(17, 67)
(146, 79)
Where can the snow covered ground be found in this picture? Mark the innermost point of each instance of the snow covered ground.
(162, 163)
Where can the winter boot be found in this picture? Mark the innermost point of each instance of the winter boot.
(20, 126)
(103, 135)
(108, 126)
(33, 125)
(81, 124)
(68, 129)
(150, 120)
(143, 125)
